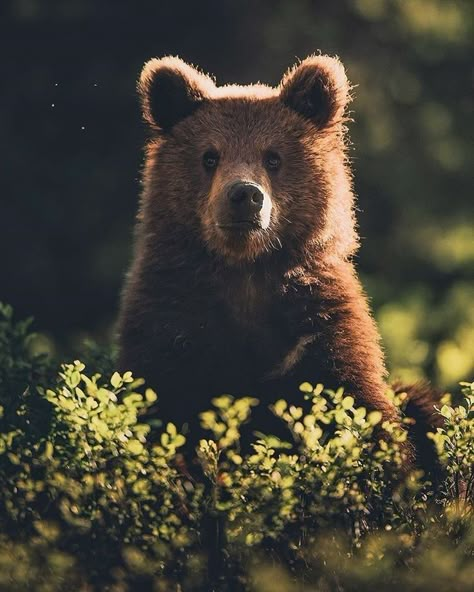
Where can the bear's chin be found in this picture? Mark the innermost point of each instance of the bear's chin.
(237, 244)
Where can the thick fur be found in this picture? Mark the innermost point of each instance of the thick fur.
(204, 313)
(420, 409)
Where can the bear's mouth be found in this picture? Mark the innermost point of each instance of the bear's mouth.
(240, 226)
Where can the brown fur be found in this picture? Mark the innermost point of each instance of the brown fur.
(420, 408)
(206, 312)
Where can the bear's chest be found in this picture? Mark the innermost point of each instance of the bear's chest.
(247, 332)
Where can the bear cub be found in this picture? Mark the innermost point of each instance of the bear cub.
(242, 280)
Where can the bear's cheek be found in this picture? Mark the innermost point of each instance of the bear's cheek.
(299, 207)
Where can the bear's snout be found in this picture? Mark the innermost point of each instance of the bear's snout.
(245, 201)
(242, 206)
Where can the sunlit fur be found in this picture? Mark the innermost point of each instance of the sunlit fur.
(205, 311)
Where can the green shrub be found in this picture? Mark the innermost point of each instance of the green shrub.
(93, 498)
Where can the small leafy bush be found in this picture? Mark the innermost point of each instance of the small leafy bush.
(92, 497)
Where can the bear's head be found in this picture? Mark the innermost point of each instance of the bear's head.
(249, 170)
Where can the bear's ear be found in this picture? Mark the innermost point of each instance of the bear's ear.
(170, 90)
(317, 89)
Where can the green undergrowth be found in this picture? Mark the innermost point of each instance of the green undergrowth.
(94, 498)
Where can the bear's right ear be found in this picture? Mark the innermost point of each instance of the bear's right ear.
(170, 90)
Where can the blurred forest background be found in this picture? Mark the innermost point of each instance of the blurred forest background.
(71, 139)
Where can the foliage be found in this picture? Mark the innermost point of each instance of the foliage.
(95, 499)
(20, 372)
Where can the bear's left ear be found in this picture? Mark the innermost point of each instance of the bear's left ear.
(170, 90)
(317, 89)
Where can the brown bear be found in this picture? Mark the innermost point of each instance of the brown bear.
(242, 280)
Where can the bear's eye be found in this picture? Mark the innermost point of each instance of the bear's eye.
(210, 160)
(272, 161)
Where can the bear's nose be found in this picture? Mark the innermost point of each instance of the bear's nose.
(246, 199)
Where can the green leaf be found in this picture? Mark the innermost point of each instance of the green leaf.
(374, 418)
(116, 380)
(150, 395)
(134, 446)
(446, 411)
(348, 402)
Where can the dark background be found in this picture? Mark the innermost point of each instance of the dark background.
(71, 138)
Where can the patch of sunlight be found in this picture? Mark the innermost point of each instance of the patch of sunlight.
(446, 21)
(372, 10)
(435, 119)
(449, 248)
(399, 325)
(41, 343)
(453, 361)
(405, 374)
(448, 152)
